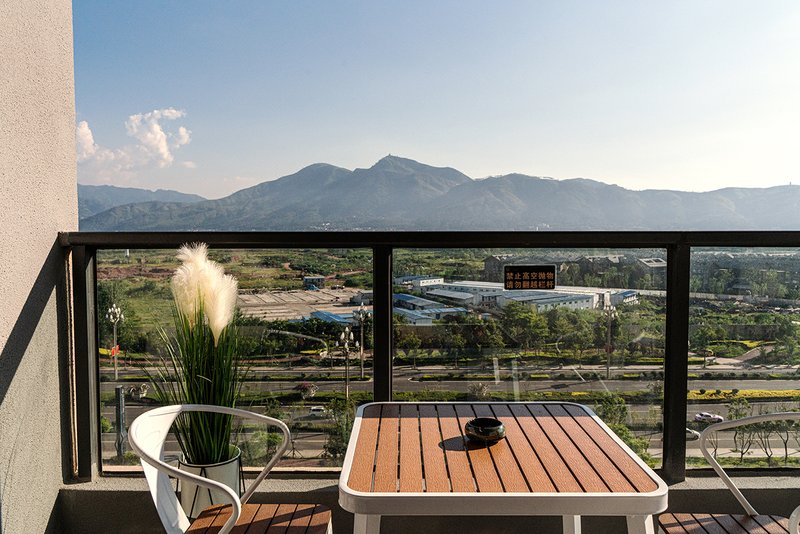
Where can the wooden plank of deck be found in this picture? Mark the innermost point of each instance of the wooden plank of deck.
(282, 519)
(262, 518)
(301, 518)
(774, 524)
(361, 471)
(204, 521)
(633, 472)
(709, 523)
(386, 457)
(319, 521)
(248, 518)
(671, 524)
(732, 526)
(752, 525)
(558, 471)
(433, 460)
(410, 453)
(722, 524)
(458, 465)
(219, 521)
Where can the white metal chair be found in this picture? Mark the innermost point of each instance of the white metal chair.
(147, 435)
(751, 521)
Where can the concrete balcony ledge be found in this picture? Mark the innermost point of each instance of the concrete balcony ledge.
(123, 505)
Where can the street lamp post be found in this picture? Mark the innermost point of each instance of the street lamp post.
(114, 315)
(361, 316)
(345, 339)
(610, 313)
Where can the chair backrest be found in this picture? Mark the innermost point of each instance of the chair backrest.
(147, 435)
(726, 425)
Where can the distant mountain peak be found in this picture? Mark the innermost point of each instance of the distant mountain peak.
(399, 164)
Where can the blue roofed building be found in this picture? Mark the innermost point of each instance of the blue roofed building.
(410, 302)
(330, 317)
(414, 317)
(441, 313)
(456, 297)
(627, 296)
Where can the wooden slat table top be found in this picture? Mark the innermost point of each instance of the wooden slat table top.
(550, 448)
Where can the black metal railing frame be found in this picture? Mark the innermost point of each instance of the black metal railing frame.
(678, 245)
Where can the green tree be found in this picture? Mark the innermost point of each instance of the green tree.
(410, 343)
(455, 344)
(260, 446)
(743, 436)
(612, 409)
(342, 413)
(524, 325)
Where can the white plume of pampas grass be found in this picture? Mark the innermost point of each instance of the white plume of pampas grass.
(202, 281)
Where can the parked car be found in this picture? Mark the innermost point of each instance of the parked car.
(318, 411)
(705, 417)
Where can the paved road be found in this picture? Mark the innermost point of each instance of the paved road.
(309, 444)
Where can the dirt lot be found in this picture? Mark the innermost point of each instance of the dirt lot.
(273, 305)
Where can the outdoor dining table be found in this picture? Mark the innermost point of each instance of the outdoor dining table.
(558, 458)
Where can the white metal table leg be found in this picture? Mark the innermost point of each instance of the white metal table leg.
(640, 524)
(572, 524)
(366, 524)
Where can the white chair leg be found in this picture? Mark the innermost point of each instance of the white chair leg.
(640, 524)
(366, 524)
(572, 524)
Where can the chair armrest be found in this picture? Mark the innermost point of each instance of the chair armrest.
(725, 425)
(244, 414)
(794, 521)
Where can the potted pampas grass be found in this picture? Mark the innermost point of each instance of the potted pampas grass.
(201, 366)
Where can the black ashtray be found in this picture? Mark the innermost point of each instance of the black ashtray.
(485, 429)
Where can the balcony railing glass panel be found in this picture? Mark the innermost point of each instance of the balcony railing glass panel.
(744, 354)
(294, 306)
(594, 336)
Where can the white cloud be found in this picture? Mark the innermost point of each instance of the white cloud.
(155, 147)
(85, 141)
(156, 143)
(183, 137)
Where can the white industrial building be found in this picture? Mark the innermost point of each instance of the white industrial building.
(543, 301)
(493, 294)
(417, 282)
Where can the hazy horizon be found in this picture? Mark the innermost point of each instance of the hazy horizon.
(189, 191)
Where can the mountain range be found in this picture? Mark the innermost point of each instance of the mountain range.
(94, 199)
(402, 194)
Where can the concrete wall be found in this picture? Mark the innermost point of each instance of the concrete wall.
(38, 198)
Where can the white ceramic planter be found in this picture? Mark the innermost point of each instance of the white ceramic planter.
(194, 499)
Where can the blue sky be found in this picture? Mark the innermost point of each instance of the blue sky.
(211, 97)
